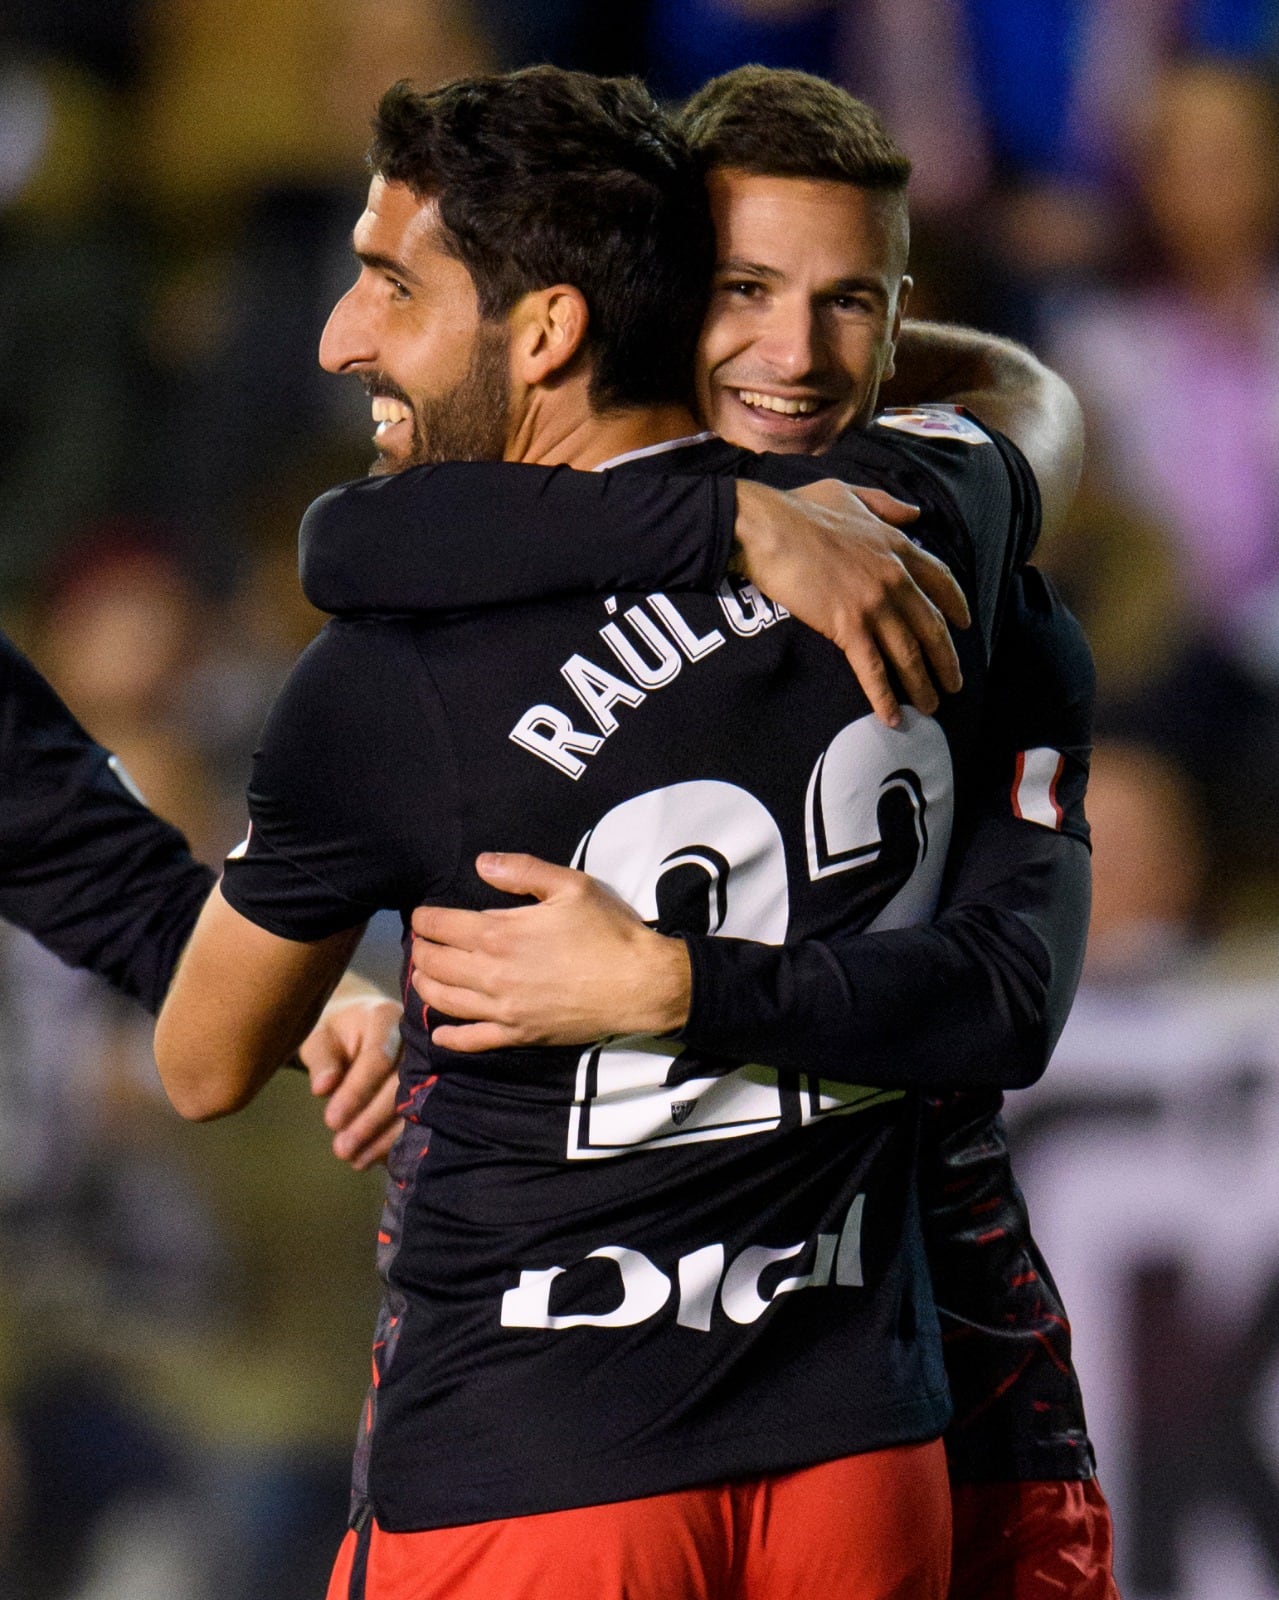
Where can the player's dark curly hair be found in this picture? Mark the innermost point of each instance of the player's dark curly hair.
(779, 123)
(547, 176)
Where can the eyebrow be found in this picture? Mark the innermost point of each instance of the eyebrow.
(381, 263)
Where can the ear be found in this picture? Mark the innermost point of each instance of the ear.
(548, 328)
(903, 298)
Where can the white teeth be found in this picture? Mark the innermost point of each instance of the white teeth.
(386, 413)
(772, 402)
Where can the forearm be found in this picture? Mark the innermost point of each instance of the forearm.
(977, 998)
(240, 1004)
(492, 533)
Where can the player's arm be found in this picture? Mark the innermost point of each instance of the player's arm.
(104, 883)
(481, 533)
(1006, 387)
(976, 998)
(241, 1002)
(322, 855)
(84, 865)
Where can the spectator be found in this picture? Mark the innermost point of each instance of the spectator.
(1180, 375)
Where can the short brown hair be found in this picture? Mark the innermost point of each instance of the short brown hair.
(779, 123)
(548, 176)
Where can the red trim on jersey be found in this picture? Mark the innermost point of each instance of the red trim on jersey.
(1019, 778)
(1052, 792)
(1019, 771)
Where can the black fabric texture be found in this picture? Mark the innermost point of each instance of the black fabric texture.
(84, 866)
(978, 997)
(456, 521)
(698, 756)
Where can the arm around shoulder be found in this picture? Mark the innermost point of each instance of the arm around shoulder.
(1005, 386)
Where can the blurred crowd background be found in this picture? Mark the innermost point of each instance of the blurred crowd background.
(184, 1313)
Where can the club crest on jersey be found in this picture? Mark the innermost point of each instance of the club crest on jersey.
(933, 422)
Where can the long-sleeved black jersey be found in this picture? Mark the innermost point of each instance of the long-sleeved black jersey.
(84, 865)
(979, 994)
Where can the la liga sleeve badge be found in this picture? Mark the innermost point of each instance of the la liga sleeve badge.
(934, 422)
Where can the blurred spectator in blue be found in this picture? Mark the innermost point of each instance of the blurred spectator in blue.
(690, 41)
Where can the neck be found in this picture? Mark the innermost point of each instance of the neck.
(559, 429)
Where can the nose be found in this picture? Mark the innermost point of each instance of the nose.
(348, 339)
(791, 342)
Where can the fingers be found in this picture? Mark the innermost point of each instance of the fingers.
(928, 632)
(445, 925)
(901, 651)
(323, 1058)
(937, 581)
(374, 1046)
(443, 965)
(473, 1037)
(887, 507)
(509, 871)
(454, 1000)
(368, 1136)
(836, 495)
(377, 1149)
(862, 655)
(911, 641)
(522, 874)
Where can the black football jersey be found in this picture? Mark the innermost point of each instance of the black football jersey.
(628, 1268)
(981, 993)
(84, 865)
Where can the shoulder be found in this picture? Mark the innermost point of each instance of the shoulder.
(351, 655)
(981, 471)
(352, 692)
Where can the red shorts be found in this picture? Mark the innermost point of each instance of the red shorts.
(1032, 1541)
(867, 1527)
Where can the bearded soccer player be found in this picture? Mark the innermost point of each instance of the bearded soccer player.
(656, 1323)
(809, 201)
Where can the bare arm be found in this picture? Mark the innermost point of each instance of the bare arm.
(240, 1004)
(1005, 386)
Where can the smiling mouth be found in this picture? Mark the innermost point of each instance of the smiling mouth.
(776, 405)
(387, 413)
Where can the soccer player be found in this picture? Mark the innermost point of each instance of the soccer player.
(809, 198)
(655, 1324)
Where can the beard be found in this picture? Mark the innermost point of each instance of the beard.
(469, 423)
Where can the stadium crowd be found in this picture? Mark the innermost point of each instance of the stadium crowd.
(1099, 179)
